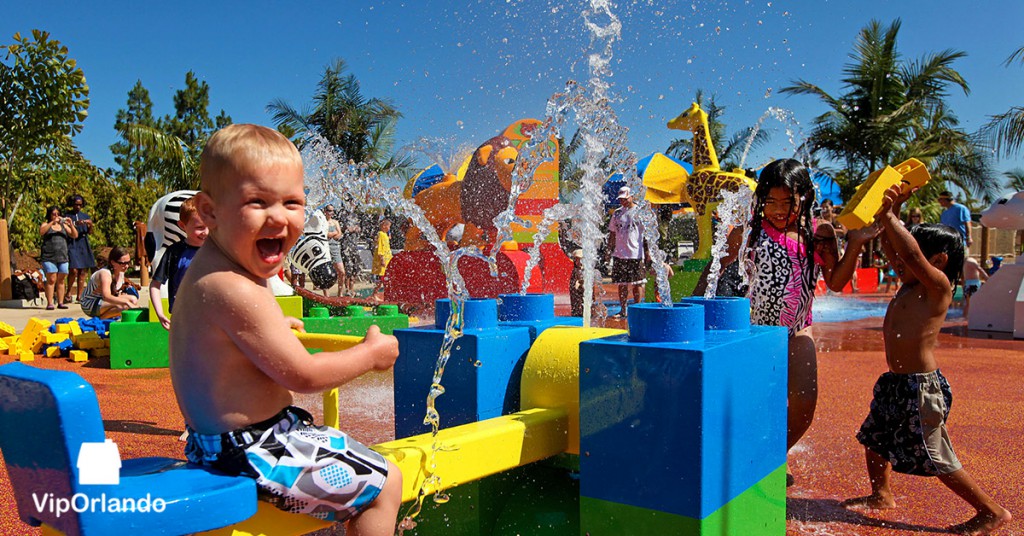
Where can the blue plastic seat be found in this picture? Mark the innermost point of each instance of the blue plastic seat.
(46, 415)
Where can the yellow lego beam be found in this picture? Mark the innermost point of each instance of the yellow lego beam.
(473, 451)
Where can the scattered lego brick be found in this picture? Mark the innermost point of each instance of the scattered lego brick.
(7, 330)
(53, 351)
(78, 356)
(25, 356)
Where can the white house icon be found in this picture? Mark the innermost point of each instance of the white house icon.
(99, 463)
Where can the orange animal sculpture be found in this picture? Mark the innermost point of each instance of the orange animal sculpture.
(477, 197)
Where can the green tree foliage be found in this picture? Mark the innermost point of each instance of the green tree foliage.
(361, 128)
(43, 100)
(893, 109)
(135, 165)
(175, 141)
(1014, 180)
(1005, 131)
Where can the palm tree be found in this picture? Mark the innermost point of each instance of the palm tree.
(1006, 131)
(729, 151)
(1014, 179)
(169, 148)
(362, 129)
(894, 109)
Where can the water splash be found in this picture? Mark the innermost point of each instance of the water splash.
(734, 211)
(794, 133)
(329, 178)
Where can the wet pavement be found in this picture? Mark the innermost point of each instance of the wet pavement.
(986, 426)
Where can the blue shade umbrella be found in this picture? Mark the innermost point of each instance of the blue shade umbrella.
(665, 178)
(611, 190)
(423, 180)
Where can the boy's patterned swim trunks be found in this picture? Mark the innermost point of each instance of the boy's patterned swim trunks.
(298, 467)
(907, 423)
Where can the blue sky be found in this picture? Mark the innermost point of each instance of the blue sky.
(464, 70)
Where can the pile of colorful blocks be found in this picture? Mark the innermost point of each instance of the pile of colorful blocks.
(65, 337)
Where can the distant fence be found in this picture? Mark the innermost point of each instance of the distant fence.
(1005, 243)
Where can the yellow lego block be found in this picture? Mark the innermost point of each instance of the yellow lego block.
(34, 327)
(3, 347)
(26, 356)
(52, 351)
(79, 356)
(6, 330)
(84, 336)
(75, 328)
(860, 211)
(475, 450)
(37, 345)
(90, 344)
(100, 352)
(11, 340)
(914, 172)
(63, 328)
(54, 338)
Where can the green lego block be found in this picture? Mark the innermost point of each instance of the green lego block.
(758, 511)
(355, 320)
(291, 305)
(537, 499)
(682, 282)
(138, 343)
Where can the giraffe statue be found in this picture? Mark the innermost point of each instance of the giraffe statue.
(704, 186)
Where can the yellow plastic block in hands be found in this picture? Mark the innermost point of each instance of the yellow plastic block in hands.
(860, 211)
(52, 351)
(78, 356)
(6, 330)
(25, 356)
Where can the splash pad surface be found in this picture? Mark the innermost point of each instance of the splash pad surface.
(140, 414)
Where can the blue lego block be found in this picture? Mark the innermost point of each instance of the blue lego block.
(63, 320)
(66, 345)
(47, 415)
(689, 418)
(481, 377)
(534, 311)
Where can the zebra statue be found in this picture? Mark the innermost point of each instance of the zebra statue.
(310, 253)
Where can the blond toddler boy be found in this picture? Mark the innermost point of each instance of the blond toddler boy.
(234, 361)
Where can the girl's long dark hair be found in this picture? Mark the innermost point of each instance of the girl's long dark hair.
(790, 174)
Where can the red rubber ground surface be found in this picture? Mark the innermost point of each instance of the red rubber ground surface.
(986, 426)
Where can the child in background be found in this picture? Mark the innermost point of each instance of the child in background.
(905, 430)
(974, 274)
(176, 260)
(381, 254)
(788, 252)
(234, 361)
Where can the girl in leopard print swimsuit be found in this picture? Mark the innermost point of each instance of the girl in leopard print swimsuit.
(788, 255)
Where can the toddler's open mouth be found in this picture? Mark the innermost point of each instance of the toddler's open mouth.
(270, 248)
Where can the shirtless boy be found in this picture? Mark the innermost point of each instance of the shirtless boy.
(905, 430)
(234, 360)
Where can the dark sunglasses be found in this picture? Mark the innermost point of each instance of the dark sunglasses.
(122, 263)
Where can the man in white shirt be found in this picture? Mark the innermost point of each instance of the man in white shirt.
(627, 248)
